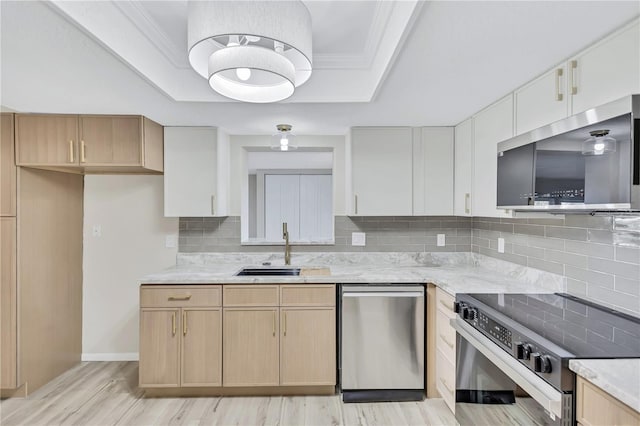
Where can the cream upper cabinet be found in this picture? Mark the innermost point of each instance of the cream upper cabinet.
(382, 171)
(490, 126)
(433, 171)
(606, 71)
(542, 101)
(463, 168)
(191, 171)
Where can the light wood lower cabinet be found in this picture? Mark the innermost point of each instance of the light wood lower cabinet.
(239, 336)
(159, 348)
(201, 343)
(180, 342)
(308, 346)
(8, 305)
(250, 346)
(594, 407)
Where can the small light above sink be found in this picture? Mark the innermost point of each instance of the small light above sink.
(268, 272)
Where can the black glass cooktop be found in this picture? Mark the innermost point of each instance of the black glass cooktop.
(579, 326)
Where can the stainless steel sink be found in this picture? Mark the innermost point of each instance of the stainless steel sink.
(267, 272)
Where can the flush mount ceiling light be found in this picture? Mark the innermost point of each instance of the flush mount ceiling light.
(251, 51)
(599, 143)
(283, 140)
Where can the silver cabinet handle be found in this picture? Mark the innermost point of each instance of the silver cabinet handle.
(467, 198)
(356, 199)
(574, 77)
(213, 205)
(559, 73)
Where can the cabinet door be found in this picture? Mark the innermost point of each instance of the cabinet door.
(607, 71)
(463, 167)
(250, 347)
(8, 305)
(433, 171)
(109, 140)
(190, 171)
(159, 348)
(542, 101)
(46, 140)
(382, 171)
(7, 167)
(201, 347)
(490, 126)
(308, 346)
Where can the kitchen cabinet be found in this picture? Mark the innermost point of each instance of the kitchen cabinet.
(542, 101)
(195, 164)
(7, 167)
(47, 140)
(490, 126)
(159, 348)
(180, 336)
(445, 350)
(8, 305)
(463, 168)
(89, 143)
(433, 164)
(604, 72)
(239, 337)
(250, 347)
(382, 171)
(594, 407)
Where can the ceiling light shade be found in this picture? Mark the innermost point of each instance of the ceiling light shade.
(599, 143)
(283, 140)
(282, 29)
(270, 79)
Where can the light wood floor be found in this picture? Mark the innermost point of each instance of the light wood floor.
(106, 393)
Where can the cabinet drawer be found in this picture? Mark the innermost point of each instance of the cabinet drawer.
(250, 295)
(444, 302)
(446, 379)
(308, 295)
(162, 297)
(445, 336)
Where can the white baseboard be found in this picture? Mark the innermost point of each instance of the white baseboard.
(117, 356)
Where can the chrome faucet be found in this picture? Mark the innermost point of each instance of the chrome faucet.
(287, 247)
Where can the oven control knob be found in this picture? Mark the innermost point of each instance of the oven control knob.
(545, 366)
(526, 351)
(466, 313)
(457, 306)
(520, 350)
(540, 363)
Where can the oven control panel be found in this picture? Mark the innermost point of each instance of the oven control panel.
(495, 330)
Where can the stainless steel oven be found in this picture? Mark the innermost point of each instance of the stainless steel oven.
(514, 349)
(494, 388)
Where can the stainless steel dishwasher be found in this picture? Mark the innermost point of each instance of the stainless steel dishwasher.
(382, 342)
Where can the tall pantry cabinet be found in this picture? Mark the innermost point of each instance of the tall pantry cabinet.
(41, 275)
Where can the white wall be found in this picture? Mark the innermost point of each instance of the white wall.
(129, 210)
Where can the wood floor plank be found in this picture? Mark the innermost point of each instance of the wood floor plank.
(107, 393)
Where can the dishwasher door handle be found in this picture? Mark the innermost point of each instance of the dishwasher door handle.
(384, 294)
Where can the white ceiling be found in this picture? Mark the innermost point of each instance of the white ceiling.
(375, 63)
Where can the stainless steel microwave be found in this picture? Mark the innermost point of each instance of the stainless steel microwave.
(586, 162)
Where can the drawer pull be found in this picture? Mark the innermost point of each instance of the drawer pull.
(444, 339)
(173, 324)
(285, 323)
(185, 297)
(559, 73)
(274, 323)
(445, 385)
(71, 159)
(446, 305)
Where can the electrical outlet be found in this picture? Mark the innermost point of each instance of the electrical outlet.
(441, 240)
(97, 231)
(500, 245)
(171, 241)
(358, 239)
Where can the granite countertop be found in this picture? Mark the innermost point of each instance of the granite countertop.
(618, 377)
(453, 272)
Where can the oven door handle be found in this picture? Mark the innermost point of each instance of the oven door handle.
(545, 394)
